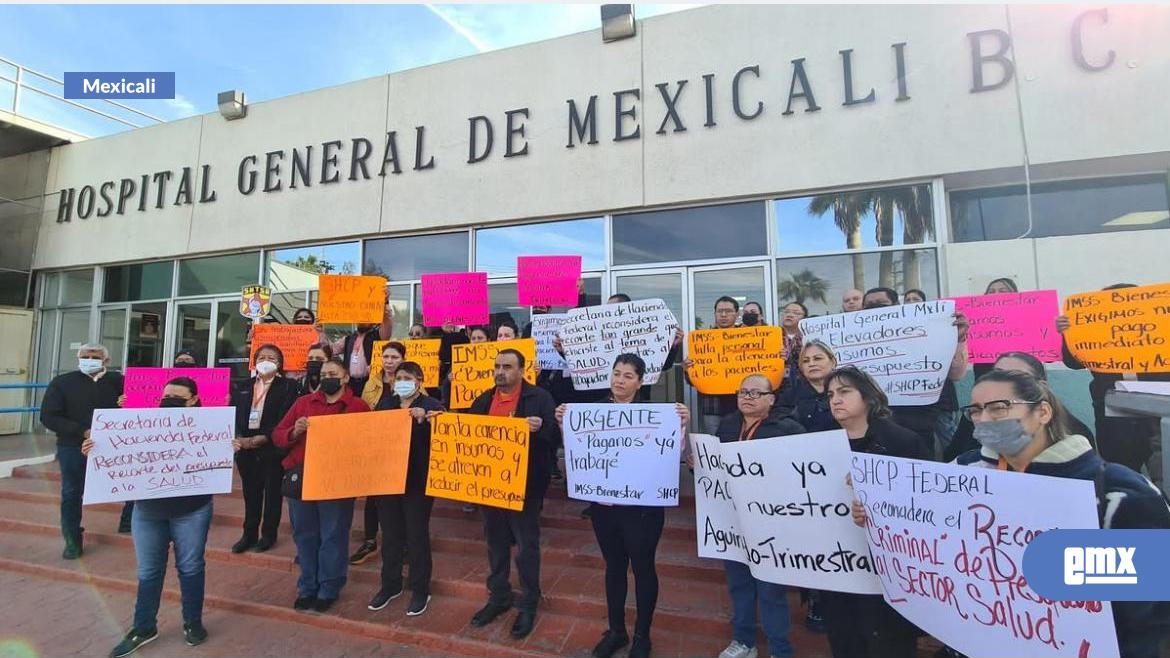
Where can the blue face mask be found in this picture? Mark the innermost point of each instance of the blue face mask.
(1004, 437)
(404, 389)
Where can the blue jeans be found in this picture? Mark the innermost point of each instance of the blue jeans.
(321, 533)
(152, 539)
(72, 464)
(746, 592)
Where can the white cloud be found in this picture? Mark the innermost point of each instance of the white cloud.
(181, 107)
(459, 27)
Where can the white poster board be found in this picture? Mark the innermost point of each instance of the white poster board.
(782, 507)
(624, 454)
(143, 454)
(545, 328)
(948, 542)
(908, 349)
(595, 335)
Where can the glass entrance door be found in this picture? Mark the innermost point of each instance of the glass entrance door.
(669, 285)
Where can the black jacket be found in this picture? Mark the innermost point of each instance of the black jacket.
(419, 462)
(806, 406)
(885, 437)
(776, 424)
(280, 398)
(69, 402)
(534, 401)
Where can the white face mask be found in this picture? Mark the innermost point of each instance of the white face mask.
(89, 366)
(403, 388)
(265, 368)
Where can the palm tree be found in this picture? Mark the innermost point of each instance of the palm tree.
(848, 209)
(913, 203)
(803, 285)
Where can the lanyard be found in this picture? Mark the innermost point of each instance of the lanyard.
(750, 433)
(258, 399)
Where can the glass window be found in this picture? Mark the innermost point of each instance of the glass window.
(284, 304)
(193, 329)
(51, 283)
(1061, 208)
(407, 259)
(218, 274)
(820, 281)
(297, 269)
(743, 284)
(77, 286)
(400, 303)
(74, 334)
(144, 345)
(13, 288)
(230, 350)
(861, 219)
(725, 231)
(496, 249)
(48, 335)
(113, 335)
(502, 305)
(589, 294)
(126, 283)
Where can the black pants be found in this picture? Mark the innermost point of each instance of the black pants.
(865, 626)
(406, 524)
(260, 473)
(502, 528)
(371, 516)
(628, 537)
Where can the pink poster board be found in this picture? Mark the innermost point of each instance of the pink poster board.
(1018, 321)
(547, 280)
(144, 386)
(455, 298)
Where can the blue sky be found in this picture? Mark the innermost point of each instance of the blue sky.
(269, 51)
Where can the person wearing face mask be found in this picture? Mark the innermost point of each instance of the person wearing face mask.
(806, 398)
(406, 517)
(261, 402)
(185, 359)
(753, 315)
(320, 527)
(356, 349)
(318, 354)
(67, 410)
(181, 520)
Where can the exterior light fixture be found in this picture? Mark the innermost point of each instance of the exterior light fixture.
(232, 105)
(617, 22)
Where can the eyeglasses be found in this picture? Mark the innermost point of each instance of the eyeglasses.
(752, 395)
(996, 409)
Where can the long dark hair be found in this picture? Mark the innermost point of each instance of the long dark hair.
(1005, 281)
(1034, 364)
(873, 395)
(1030, 389)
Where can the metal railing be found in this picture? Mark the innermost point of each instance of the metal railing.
(20, 410)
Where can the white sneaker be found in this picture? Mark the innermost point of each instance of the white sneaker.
(737, 650)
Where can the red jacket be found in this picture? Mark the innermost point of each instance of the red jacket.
(313, 404)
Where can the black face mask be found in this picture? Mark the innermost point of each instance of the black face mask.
(172, 402)
(750, 319)
(313, 368)
(331, 385)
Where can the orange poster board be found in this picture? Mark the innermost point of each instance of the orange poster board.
(723, 357)
(479, 459)
(1122, 330)
(473, 367)
(352, 455)
(345, 299)
(292, 339)
(423, 351)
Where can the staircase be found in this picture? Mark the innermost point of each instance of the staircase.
(692, 618)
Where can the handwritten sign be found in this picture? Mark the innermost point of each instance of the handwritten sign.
(425, 352)
(351, 299)
(948, 543)
(143, 454)
(144, 386)
(624, 454)
(1011, 322)
(352, 455)
(479, 459)
(595, 335)
(255, 302)
(547, 280)
(455, 298)
(544, 331)
(1123, 330)
(292, 339)
(908, 349)
(723, 357)
(782, 507)
(473, 368)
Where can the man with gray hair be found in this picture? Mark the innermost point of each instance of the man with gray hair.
(67, 410)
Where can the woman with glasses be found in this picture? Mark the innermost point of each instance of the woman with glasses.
(755, 417)
(806, 398)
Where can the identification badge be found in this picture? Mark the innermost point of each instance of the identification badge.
(254, 419)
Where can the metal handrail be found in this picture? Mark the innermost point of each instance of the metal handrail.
(21, 410)
(28, 385)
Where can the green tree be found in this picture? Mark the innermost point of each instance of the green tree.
(803, 285)
(848, 208)
(310, 263)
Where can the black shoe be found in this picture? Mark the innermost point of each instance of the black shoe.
(124, 526)
(610, 643)
(368, 548)
(523, 625)
(640, 648)
(194, 634)
(323, 605)
(305, 603)
(244, 544)
(418, 604)
(488, 614)
(265, 544)
(133, 641)
(72, 550)
(383, 599)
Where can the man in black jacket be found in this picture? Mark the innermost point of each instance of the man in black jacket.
(512, 396)
(67, 410)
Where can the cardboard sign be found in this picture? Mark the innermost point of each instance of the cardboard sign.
(292, 339)
(948, 543)
(723, 357)
(908, 349)
(595, 335)
(143, 454)
(1011, 322)
(473, 367)
(782, 507)
(479, 459)
(455, 298)
(623, 454)
(547, 280)
(144, 386)
(255, 302)
(544, 331)
(423, 351)
(1119, 331)
(352, 455)
(345, 299)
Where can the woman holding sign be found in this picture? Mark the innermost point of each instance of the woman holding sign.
(320, 527)
(628, 534)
